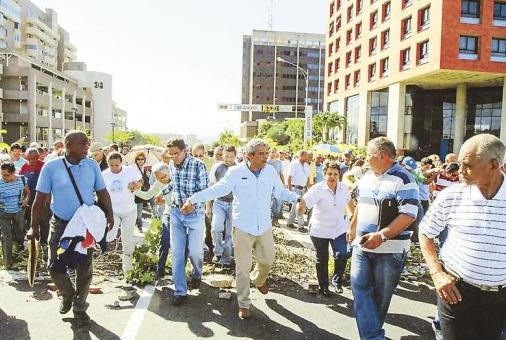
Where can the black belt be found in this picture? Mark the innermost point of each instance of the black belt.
(178, 206)
(484, 288)
(298, 186)
(225, 200)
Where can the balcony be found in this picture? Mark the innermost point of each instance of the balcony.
(15, 94)
(42, 26)
(34, 31)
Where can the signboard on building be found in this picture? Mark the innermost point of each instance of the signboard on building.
(240, 107)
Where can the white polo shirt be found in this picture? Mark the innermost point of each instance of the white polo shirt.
(476, 245)
(299, 173)
(328, 218)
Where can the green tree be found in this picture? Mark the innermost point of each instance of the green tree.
(121, 136)
(326, 124)
(227, 137)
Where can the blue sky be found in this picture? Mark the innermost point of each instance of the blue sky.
(173, 61)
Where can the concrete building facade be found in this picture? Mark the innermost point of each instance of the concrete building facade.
(427, 74)
(45, 92)
(266, 80)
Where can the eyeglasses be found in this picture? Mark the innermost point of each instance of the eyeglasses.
(332, 174)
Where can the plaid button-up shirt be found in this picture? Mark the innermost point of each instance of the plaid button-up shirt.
(188, 179)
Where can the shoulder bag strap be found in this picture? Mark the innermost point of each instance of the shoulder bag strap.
(72, 179)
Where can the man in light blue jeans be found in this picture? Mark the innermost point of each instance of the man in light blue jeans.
(222, 232)
(387, 206)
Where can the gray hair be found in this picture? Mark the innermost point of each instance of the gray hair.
(302, 153)
(488, 147)
(383, 144)
(161, 167)
(252, 145)
(32, 151)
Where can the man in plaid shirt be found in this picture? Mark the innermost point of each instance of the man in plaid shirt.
(188, 176)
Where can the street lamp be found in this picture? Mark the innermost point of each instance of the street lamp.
(304, 73)
(113, 124)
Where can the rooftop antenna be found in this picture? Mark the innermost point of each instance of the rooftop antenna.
(271, 14)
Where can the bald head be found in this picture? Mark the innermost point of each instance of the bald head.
(76, 145)
(75, 136)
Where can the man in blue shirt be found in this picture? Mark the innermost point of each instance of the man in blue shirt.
(253, 183)
(55, 181)
(189, 175)
(13, 199)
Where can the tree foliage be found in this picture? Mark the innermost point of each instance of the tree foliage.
(326, 125)
(134, 137)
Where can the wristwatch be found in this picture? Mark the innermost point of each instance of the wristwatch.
(383, 237)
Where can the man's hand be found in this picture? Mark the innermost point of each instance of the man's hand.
(110, 221)
(373, 240)
(187, 207)
(300, 208)
(446, 288)
(24, 203)
(351, 234)
(165, 180)
(159, 200)
(33, 233)
(132, 186)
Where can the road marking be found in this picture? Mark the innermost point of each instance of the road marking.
(137, 316)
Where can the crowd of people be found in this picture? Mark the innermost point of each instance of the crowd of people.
(221, 209)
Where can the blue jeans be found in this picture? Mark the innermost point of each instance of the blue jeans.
(276, 206)
(222, 230)
(374, 277)
(186, 231)
(341, 250)
(164, 246)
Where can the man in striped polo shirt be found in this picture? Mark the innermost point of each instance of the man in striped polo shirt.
(470, 276)
(380, 245)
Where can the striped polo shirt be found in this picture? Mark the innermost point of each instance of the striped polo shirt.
(396, 183)
(10, 195)
(475, 248)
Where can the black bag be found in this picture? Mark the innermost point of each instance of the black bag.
(388, 211)
(145, 186)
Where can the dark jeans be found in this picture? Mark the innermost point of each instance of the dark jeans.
(164, 246)
(84, 271)
(208, 240)
(12, 229)
(480, 315)
(322, 258)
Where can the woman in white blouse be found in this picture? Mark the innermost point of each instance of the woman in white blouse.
(328, 224)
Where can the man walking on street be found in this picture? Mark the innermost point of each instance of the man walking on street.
(189, 176)
(298, 177)
(387, 206)
(16, 152)
(55, 180)
(253, 183)
(470, 275)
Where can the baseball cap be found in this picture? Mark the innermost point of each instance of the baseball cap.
(409, 163)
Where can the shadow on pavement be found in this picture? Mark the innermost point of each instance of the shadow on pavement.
(12, 327)
(413, 292)
(83, 333)
(200, 309)
(39, 289)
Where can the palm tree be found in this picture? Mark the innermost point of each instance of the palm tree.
(331, 122)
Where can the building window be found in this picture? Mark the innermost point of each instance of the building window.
(338, 23)
(378, 114)
(487, 117)
(373, 45)
(372, 71)
(331, 49)
(348, 37)
(423, 52)
(351, 109)
(406, 27)
(374, 20)
(385, 39)
(356, 78)
(406, 3)
(358, 53)
(424, 18)
(336, 65)
(329, 69)
(347, 81)
(384, 67)
(329, 88)
(468, 48)
(387, 10)
(359, 6)
(348, 58)
(358, 30)
(332, 4)
(349, 14)
(405, 58)
(499, 13)
(470, 9)
(338, 5)
(498, 51)
(338, 44)
(331, 28)
(336, 85)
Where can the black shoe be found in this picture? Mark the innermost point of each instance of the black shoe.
(302, 229)
(216, 259)
(65, 306)
(195, 283)
(82, 319)
(178, 300)
(160, 275)
(291, 225)
(140, 228)
(339, 288)
(324, 291)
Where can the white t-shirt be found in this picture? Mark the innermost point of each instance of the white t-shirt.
(285, 168)
(117, 185)
(299, 173)
(328, 218)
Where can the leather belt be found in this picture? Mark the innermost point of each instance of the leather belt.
(484, 288)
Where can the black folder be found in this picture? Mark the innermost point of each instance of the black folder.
(388, 211)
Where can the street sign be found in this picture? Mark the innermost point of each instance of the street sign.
(270, 108)
(240, 107)
(308, 124)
